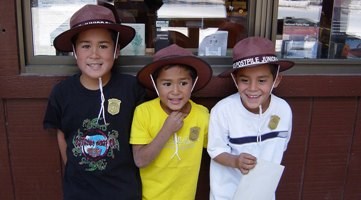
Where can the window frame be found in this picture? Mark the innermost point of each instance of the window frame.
(259, 24)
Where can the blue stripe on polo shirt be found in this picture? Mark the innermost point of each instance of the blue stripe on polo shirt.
(250, 139)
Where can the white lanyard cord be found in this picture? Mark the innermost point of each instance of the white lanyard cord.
(101, 111)
(153, 82)
(176, 147)
(259, 137)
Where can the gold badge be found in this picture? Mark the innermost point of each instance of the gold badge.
(113, 106)
(194, 133)
(273, 122)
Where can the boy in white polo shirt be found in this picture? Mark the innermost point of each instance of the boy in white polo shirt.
(251, 124)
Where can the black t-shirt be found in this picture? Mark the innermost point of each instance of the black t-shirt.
(100, 162)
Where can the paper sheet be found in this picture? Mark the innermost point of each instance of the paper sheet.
(260, 183)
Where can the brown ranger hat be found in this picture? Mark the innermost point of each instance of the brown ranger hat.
(174, 54)
(93, 16)
(254, 51)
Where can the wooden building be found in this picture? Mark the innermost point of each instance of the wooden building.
(322, 161)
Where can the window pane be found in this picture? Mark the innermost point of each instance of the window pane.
(346, 30)
(319, 29)
(158, 23)
(210, 28)
(50, 18)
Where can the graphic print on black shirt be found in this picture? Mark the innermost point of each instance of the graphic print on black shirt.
(94, 143)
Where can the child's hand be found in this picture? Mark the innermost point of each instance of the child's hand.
(174, 122)
(246, 162)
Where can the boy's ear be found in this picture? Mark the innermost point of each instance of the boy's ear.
(278, 80)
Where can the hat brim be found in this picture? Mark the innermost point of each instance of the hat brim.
(284, 65)
(63, 41)
(204, 71)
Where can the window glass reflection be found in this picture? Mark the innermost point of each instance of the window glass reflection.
(319, 29)
(345, 30)
(49, 19)
(208, 27)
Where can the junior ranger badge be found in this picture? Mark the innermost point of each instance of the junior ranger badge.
(273, 122)
(113, 106)
(194, 133)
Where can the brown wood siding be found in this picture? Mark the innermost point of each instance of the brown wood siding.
(34, 158)
(291, 183)
(9, 53)
(353, 176)
(322, 161)
(330, 138)
(6, 189)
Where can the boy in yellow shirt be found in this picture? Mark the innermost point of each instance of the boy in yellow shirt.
(169, 132)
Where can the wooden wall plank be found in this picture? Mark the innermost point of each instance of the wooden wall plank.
(24, 87)
(330, 140)
(290, 187)
(203, 180)
(353, 182)
(291, 86)
(9, 61)
(34, 157)
(295, 86)
(320, 86)
(6, 183)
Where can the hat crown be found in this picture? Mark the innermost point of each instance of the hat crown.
(92, 14)
(171, 51)
(171, 55)
(253, 47)
(255, 51)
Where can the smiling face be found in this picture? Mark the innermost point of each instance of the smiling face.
(174, 85)
(255, 85)
(94, 49)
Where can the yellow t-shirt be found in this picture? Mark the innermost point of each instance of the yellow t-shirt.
(169, 177)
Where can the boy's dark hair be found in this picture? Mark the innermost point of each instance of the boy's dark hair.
(190, 69)
(274, 69)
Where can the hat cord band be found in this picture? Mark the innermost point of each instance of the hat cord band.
(254, 60)
(93, 22)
